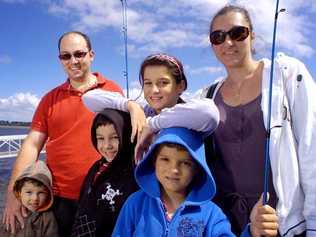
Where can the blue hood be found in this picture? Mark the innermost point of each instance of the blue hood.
(203, 186)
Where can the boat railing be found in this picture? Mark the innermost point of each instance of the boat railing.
(10, 145)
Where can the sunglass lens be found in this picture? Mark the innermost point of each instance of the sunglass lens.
(65, 56)
(239, 33)
(80, 54)
(217, 37)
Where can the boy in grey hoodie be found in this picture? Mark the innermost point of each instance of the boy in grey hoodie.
(34, 190)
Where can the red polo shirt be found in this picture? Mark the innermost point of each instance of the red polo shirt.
(67, 122)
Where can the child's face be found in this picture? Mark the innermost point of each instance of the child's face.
(107, 141)
(174, 169)
(160, 88)
(33, 197)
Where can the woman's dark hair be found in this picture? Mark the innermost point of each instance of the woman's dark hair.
(174, 66)
(86, 38)
(232, 8)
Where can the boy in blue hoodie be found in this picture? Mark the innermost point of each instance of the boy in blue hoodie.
(176, 191)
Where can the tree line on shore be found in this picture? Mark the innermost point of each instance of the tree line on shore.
(14, 123)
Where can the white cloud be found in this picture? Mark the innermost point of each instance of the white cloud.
(160, 25)
(93, 14)
(206, 70)
(5, 59)
(19, 107)
(135, 92)
(292, 27)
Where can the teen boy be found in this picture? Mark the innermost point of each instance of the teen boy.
(176, 191)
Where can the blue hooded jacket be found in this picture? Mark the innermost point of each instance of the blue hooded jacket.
(143, 213)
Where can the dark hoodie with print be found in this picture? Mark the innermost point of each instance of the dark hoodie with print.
(101, 198)
(42, 222)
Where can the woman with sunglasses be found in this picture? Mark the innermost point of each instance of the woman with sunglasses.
(238, 144)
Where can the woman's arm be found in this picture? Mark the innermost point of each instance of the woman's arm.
(300, 89)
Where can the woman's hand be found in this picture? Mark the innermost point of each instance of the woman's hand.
(264, 220)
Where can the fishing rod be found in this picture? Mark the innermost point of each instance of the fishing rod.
(267, 144)
(124, 29)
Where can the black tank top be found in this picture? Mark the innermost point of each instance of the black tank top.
(239, 167)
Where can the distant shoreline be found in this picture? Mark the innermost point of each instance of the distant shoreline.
(14, 126)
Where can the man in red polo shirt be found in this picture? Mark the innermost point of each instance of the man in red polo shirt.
(62, 121)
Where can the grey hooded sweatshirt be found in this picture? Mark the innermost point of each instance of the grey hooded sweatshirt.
(42, 222)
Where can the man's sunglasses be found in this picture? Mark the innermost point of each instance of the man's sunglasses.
(76, 54)
(238, 33)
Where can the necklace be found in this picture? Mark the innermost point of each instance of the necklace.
(241, 90)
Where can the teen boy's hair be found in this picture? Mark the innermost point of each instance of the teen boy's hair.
(20, 183)
(170, 145)
(177, 146)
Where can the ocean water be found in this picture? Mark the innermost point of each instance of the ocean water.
(4, 131)
(6, 164)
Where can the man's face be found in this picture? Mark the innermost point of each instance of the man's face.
(75, 57)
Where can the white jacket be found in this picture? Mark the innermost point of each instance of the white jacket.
(292, 142)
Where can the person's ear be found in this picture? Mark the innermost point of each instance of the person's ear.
(181, 87)
(252, 35)
(92, 54)
(18, 195)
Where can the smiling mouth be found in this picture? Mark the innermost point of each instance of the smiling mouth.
(34, 205)
(74, 69)
(172, 179)
(156, 98)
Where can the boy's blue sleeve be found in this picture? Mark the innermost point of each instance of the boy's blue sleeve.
(218, 224)
(246, 232)
(125, 222)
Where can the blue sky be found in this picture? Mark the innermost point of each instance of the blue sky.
(30, 29)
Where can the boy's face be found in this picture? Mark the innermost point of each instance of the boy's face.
(107, 141)
(33, 197)
(174, 169)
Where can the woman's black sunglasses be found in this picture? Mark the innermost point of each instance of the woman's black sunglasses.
(238, 33)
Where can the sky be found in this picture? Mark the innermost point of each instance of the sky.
(30, 29)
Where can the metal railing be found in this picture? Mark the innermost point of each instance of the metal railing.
(11, 145)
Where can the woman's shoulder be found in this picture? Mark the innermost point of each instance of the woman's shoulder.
(287, 62)
(208, 91)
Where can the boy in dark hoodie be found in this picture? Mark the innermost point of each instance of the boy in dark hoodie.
(34, 190)
(110, 180)
(176, 192)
